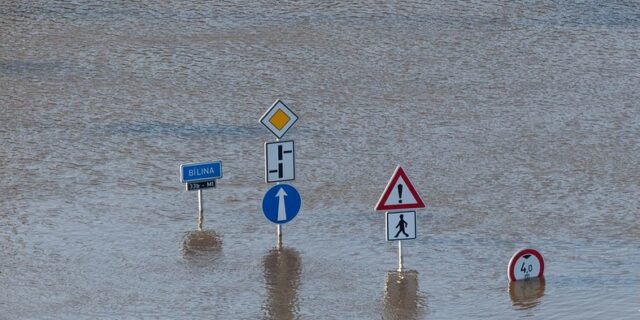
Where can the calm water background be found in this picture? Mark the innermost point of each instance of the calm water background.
(518, 121)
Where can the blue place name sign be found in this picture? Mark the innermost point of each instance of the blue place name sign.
(204, 171)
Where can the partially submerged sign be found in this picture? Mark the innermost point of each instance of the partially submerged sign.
(282, 202)
(399, 194)
(525, 264)
(198, 176)
(278, 118)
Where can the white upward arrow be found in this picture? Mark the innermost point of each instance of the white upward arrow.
(282, 212)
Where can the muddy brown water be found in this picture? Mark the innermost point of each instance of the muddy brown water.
(518, 122)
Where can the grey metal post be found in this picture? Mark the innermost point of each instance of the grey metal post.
(400, 267)
(279, 235)
(278, 228)
(200, 210)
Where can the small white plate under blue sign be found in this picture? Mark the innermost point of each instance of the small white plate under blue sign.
(281, 203)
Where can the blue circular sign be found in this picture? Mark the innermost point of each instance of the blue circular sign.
(281, 203)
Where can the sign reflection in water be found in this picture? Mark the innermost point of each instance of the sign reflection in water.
(282, 269)
(402, 300)
(201, 241)
(526, 294)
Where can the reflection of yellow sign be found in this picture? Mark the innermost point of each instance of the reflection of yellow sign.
(279, 118)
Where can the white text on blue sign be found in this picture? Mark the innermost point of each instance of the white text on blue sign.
(205, 171)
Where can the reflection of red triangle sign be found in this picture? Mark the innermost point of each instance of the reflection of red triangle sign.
(399, 194)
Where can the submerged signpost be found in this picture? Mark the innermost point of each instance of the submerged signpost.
(398, 195)
(198, 176)
(281, 203)
(525, 264)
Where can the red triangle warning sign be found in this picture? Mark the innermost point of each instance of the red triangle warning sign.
(399, 194)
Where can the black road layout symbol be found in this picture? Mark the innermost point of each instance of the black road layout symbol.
(280, 161)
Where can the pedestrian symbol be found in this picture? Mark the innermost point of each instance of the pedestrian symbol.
(281, 203)
(401, 225)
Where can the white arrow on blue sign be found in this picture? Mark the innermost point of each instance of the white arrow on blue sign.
(281, 203)
(203, 171)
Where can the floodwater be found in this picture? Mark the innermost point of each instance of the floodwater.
(517, 121)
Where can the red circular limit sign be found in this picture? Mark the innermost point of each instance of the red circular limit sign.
(525, 264)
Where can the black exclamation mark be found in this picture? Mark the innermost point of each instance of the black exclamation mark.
(399, 193)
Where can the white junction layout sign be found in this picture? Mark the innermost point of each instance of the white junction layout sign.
(279, 161)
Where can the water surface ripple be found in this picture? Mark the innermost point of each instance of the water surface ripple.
(518, 121)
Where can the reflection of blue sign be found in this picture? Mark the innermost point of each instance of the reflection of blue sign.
(281, 203)
(194, 172)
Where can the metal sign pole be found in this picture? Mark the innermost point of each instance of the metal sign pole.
(200, 210)
(279, 235)
(278, 228)
(400, 256)
(279, 119)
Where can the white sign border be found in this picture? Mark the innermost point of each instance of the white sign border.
(266, 161)
(386, 225)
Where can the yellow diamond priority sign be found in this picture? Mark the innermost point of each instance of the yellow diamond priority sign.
(278, 118)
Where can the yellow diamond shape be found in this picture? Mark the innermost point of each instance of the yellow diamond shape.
(279, 119)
